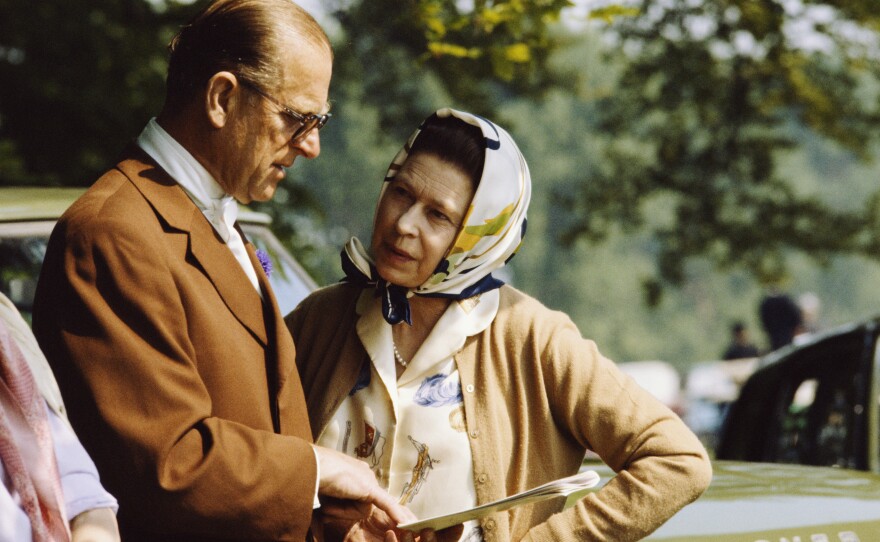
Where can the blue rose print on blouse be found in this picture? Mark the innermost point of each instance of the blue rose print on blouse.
(439, 390)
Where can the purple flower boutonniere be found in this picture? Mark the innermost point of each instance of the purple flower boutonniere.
(265, 261)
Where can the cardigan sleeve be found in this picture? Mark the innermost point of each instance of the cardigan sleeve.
(661, 465)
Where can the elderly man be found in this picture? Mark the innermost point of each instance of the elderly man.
(158, 321)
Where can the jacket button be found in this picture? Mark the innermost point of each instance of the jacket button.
(469, 388)
(482, 478)
(475, 433)
(489, 525)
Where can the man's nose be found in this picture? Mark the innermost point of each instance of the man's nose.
(310, 145)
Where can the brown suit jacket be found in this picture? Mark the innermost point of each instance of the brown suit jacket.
(179, 380)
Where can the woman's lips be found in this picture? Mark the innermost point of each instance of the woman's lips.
(398, 255)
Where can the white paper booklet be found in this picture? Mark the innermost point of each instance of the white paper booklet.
(557, 488)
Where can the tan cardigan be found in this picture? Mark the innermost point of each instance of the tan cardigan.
(536, 396)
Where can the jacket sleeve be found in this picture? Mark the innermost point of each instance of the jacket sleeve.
(661, 465)
(117, 321)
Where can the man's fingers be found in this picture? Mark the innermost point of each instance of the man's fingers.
(385, 502)
(343, 509)
(450, 534)
(347, 478)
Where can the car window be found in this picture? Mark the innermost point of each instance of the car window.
(22, 248)
(807, 407)
(817, 412)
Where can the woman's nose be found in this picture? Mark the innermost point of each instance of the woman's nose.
(407, 222)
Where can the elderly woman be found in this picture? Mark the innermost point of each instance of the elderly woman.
(458, 390)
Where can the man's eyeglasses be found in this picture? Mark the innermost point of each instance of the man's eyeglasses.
(306, 121)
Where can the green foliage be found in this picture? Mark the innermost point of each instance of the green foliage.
(685, 138)
(80, 80)
(710, 94)
(478, 53)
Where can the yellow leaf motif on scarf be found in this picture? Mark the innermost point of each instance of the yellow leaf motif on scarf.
(471, 235)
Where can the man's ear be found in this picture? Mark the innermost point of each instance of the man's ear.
(223, 93)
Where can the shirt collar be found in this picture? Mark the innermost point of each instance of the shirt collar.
(219, 208)
(181, 165)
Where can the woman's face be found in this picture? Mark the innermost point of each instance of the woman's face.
(419, 215)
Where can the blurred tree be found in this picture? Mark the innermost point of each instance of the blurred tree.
(80, 79)
(478, 51)
(710, 95)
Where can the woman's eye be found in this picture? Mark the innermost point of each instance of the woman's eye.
(440, 216)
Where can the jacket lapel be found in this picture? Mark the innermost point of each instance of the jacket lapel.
(178, 211)
(288, 386)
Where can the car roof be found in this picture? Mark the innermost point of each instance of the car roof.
(32, 203)
(808, 340)
(26, 203)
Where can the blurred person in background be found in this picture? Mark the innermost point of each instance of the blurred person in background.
(50, 487)
(741, 345)
(780, 316)
(458, 390)
(810, 306)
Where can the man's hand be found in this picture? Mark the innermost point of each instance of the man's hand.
(371, 530)
(353, 488)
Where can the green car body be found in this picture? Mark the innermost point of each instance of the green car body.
(798, 457)
(765, 502)
(756, 502)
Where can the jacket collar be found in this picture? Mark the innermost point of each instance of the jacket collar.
(178, 212)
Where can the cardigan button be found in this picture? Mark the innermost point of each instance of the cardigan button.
(482, 478)
(489, 525)
(469, 388)
(475, 433)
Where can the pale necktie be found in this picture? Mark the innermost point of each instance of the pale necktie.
(222, 213)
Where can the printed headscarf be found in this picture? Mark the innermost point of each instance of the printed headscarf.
(491, 232)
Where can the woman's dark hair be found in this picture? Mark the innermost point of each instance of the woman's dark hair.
(455, 141)
(240, 36)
